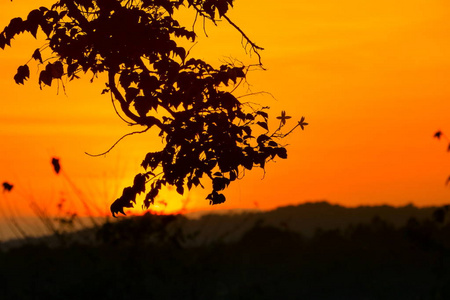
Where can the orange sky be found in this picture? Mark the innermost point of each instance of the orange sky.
(371, 77)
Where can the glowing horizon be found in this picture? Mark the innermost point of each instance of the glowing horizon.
(371, 79)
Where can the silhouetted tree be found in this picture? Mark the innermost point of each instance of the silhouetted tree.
(208, 132)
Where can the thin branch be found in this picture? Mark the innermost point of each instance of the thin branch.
(254, 47)
(195, 21)
(244, 79)
(189, 51)
(258, 93)
(154, 177)
(237, 85)
(289, 132)
(300, 123)
(240, 81)
(204, 26)
(115, 144)
(117, 112)
(145, 120)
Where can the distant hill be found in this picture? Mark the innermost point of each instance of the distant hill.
(226, 227)
(303, 218)
(306, 218)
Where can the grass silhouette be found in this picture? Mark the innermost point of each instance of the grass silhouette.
(56, 221)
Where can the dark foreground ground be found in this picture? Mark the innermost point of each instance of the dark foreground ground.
(151, 257)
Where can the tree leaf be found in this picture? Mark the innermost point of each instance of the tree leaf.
(152, 160)
(262, 138)
(56, 69)
(249, 117)
(125, 201)
(282, 153)
(181, 52)
(37, 55)
(222, 7)
(208, 7)
(302, 123)
(34, 18)
(215, 198)
(247, 162)
(71, 69)
(46, 27)
(46, 78)
(144, 104)
(220, 183)
(180, 189)
(23, 73)
(2, 41)
(139, 183)
(131, 94)
(16, 26)
(263, 114)
(263, 125)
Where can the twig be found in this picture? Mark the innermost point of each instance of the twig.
(128, 134)
(204, 26)
(117, 112)
(195, 21)
(257, 93)
(254, 47)
(289, 132)
(189, 51)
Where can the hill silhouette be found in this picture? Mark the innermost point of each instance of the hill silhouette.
(344, 253)
(203, 228)
(305, 219)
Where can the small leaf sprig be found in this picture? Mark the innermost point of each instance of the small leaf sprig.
(283, 119)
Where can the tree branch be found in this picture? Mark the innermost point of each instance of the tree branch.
(117, 112)
(146, 121)
(128, 134)
(254, 47)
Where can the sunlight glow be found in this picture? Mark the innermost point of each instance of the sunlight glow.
(370, 77)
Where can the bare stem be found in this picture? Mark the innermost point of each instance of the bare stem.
(128, 134)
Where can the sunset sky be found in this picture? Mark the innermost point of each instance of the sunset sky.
(372, 79)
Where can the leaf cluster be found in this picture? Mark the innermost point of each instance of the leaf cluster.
(207, 132)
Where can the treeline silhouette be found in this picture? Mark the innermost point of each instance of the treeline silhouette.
(152, 257)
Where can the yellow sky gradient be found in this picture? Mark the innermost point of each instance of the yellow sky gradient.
(371, 78)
